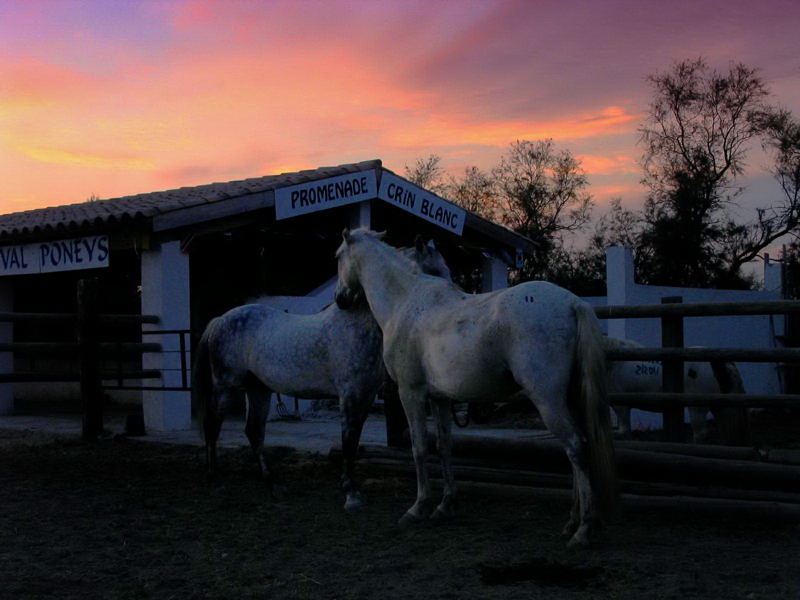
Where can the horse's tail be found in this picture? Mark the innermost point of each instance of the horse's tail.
(202, 396)
(594, 412)
(733, 426)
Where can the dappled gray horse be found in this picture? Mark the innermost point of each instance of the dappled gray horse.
(442, 344)
(255, 350)
(699, 378)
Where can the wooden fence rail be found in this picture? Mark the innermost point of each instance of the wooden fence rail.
(87, 348)
(658, 400)
(707, 354)
(699, 309)
(672, 400)
(19, 317)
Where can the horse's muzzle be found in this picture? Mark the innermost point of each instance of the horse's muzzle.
(344, 298)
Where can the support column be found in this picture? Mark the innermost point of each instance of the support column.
(495, 274)
(619, 280)
(165, 293)
(361, 215)
(6, 335)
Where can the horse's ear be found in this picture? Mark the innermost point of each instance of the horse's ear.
(346, 235)
(419, 243)
(431, 244)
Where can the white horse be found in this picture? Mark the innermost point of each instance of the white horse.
(699, 378)
(256, 350)
(442, 344)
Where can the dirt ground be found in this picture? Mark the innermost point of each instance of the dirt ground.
(127, 519)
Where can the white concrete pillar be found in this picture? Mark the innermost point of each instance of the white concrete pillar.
(495, 274)
(6, 335)
(361, 215)
(165, 293)
(619, 281)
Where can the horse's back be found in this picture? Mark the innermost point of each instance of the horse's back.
(469, 346)
(300, 355)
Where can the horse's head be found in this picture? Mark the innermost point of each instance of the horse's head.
(429, 259)
(348, 289)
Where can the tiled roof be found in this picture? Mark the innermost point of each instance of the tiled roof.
(144, 206)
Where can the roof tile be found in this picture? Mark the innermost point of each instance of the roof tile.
(147, 205)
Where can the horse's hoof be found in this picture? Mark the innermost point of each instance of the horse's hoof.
(440, 515)
(410, 519)
(570, 528)
(354, 503)
(578, 542)
(580, 539)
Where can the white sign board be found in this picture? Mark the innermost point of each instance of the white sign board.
(60, 255)
(404, 194)
(323, 194)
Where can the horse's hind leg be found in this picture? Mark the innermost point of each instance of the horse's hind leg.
(258, 400)
(550, 398)
(444, 443)
(353, 409)
(414, 406)
(583, 517)
(213, 416)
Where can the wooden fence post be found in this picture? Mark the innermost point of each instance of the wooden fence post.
(672, 373)
(88, 342)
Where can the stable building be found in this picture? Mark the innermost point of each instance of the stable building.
(189, 254)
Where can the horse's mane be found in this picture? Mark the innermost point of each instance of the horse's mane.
(407, 252)
(404, 254)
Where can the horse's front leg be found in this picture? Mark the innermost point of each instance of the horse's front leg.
(258, 401)
(444, 442)
(413, 402)
(353, 413)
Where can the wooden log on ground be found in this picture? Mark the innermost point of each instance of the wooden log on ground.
(633, 503)
(399, 462)
(785, 456)
(702, 450)
(548, 455)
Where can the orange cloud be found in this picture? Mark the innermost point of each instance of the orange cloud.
(595, 164)
(444, 130)
(86, 159)
(28, 83)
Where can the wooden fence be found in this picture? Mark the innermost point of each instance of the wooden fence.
(87, 348)
(672, 400)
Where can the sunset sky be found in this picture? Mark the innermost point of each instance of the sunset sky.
(110, 98)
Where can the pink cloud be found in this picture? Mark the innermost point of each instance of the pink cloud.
(153, 95)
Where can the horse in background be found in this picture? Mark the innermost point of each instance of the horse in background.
(253, 350)
(442, 344)
(713, 377)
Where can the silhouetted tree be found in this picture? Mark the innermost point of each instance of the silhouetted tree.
(700, 126)
(541, 195)
(428, 173)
